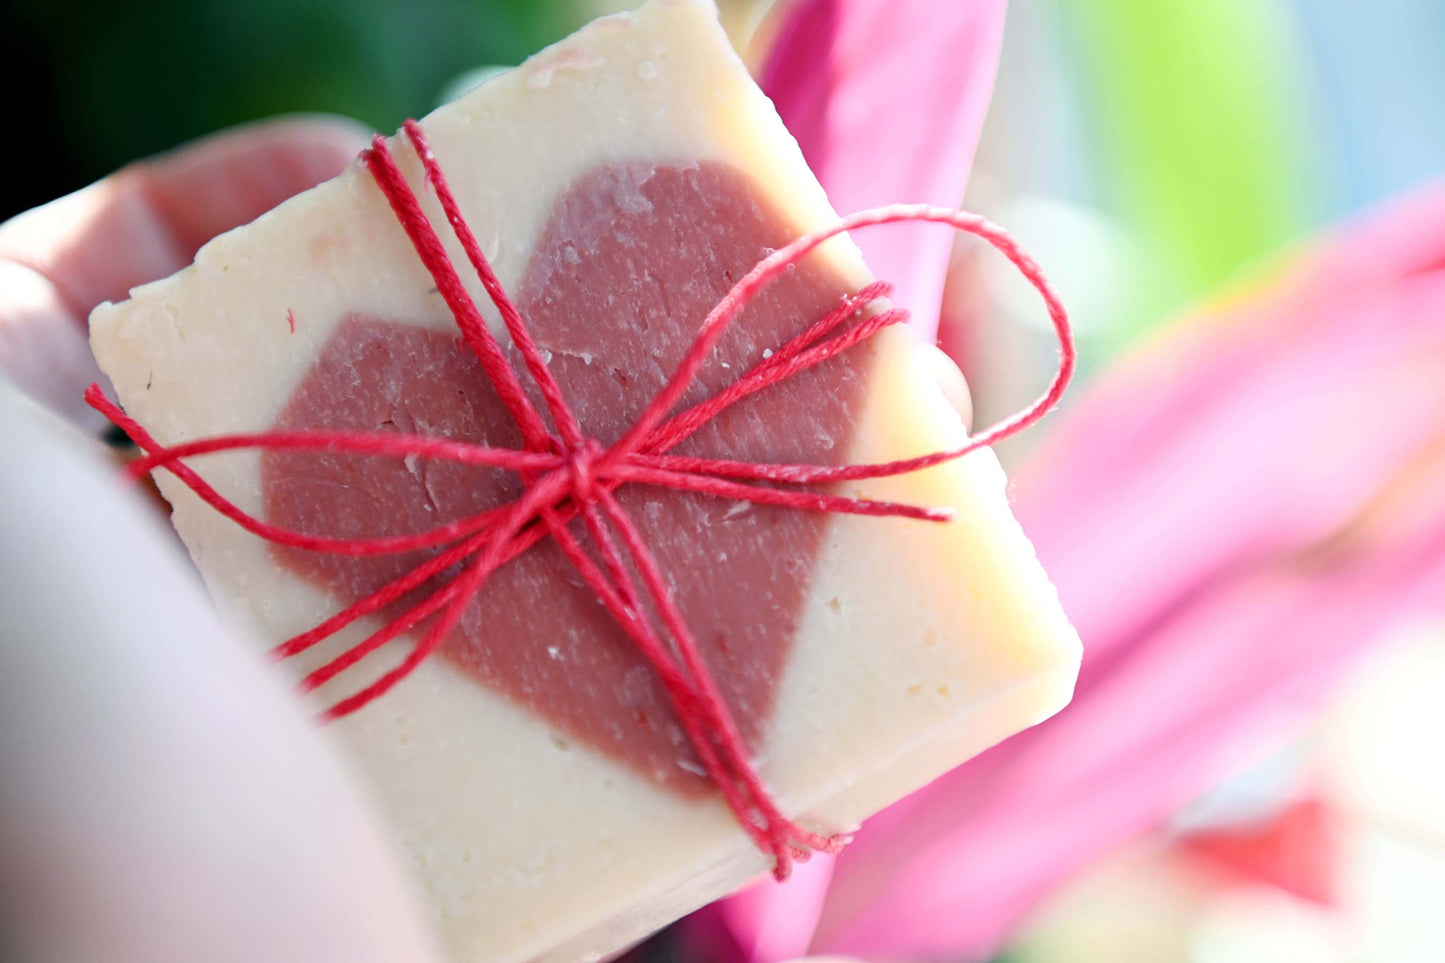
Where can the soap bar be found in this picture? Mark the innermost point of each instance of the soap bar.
(620, 182)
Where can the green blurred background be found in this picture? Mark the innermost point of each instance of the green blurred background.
(93, 85)
(1206, 135)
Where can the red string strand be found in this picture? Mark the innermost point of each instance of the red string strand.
(566, 475)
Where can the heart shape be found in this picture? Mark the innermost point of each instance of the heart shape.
(631, 260)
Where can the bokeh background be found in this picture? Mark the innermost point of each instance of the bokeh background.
(1243, 502)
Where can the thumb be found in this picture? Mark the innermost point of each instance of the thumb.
(162, 798)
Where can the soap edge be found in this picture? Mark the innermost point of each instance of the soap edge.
(102, 318)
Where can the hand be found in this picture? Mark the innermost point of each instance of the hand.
(162, 797)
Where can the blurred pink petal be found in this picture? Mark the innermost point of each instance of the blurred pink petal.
(771, 921)
(1230, 517)
(887, 98)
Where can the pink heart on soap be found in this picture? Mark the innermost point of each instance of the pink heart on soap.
(630, 261)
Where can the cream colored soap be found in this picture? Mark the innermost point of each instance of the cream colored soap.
(917, 645)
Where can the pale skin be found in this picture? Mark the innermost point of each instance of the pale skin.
(163, 795)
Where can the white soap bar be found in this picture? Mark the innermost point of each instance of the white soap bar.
(620, 182)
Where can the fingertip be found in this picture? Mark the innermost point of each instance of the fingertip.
(221, 181)
(951, 382)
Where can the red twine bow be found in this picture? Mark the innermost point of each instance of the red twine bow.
(566, 474)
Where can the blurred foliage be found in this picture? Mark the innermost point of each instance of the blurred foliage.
(1204, 116)
(95, 84)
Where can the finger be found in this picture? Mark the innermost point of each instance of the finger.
(962, 304)
(43, 346)
(142, 223)
(148, 219)
(951, 382)
(162, 798)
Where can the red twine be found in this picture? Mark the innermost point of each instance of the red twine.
(566, 474)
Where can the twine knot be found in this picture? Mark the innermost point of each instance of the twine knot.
(581, 465)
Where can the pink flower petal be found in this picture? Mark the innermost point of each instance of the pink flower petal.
(887, 98)
(1230, 518)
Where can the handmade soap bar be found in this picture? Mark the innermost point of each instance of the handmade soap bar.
(620, 182)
